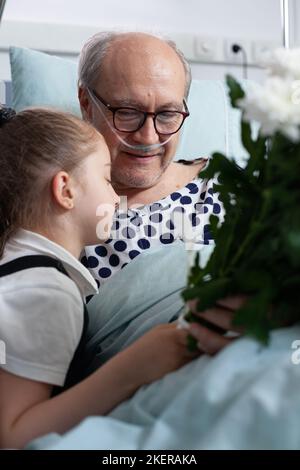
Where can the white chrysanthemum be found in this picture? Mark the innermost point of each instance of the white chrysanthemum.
(284, 63)
(275, 105)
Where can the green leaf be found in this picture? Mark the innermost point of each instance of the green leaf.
(247, 140)
(254, 317)
(252, 280)
(207, 293)
(235, 90)
(191, 343)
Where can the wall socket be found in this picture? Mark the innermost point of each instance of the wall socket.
(232, 57)
(262, 50)
(207, 49)
(211, 49)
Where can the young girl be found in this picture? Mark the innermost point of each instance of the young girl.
(54, 174)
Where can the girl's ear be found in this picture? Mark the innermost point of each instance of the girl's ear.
(63, 190)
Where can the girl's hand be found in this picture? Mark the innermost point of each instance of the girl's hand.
(160, 351)
(221, 315)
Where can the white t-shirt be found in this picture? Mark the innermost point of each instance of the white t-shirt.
(41, 310)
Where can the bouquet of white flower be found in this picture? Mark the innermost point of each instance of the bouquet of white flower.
(275, 105)
(258, 245)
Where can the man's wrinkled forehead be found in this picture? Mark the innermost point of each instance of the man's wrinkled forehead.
(142, 59)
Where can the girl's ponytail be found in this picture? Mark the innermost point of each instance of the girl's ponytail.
(6, 115)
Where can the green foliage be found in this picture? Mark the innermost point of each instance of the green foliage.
(258, 245)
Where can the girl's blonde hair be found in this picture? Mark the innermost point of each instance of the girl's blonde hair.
(34, 145)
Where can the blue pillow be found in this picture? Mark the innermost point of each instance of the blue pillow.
(40, 79)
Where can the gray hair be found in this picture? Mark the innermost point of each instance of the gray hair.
(96, 48)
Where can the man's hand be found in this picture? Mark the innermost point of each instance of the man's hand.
(209, 341)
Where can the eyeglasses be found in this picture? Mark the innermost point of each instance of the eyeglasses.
(126, 119)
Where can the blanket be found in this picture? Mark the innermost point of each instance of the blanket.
(246, 397)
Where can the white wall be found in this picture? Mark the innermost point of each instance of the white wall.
(257, 20)
(237, 17)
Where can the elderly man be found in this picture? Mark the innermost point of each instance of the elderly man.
(133, 88)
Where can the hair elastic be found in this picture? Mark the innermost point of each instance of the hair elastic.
(6, 114)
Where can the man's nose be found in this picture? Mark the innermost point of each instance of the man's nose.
(147, 133)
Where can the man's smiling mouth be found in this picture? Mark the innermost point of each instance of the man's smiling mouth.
(141, 156)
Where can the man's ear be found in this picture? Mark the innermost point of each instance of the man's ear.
(63, 190)
(85, 104)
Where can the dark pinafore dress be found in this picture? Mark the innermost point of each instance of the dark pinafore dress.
(79, 364)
